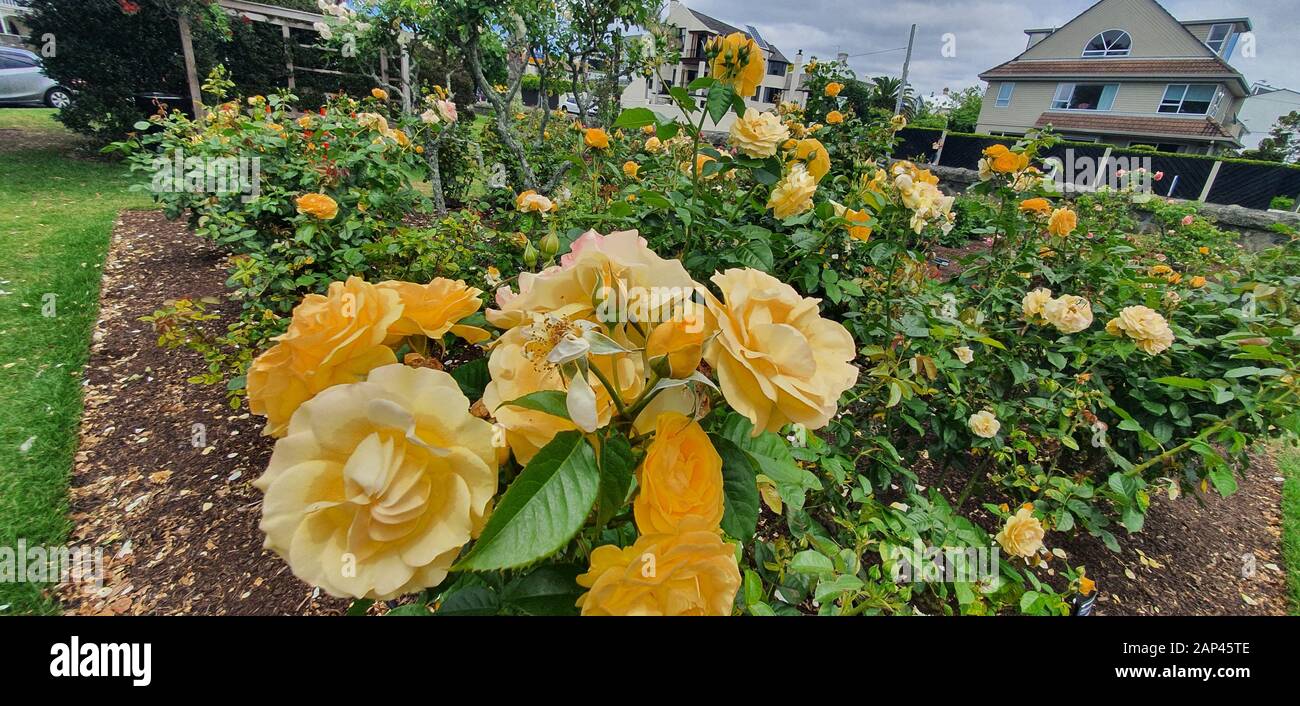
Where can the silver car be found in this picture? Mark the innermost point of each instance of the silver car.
(22, 82)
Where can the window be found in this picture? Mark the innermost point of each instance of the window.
(1004, 94)
(771, 95)
(1218, 39)
(1085, 96)
(1189, 99)
(1112, 42)
(1158, 146)
(776, 68)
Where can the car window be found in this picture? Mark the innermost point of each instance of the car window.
(11, 61)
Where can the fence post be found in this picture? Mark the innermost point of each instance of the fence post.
(943, 140)
(1209, 181)
(288, 54)
(1101, 168)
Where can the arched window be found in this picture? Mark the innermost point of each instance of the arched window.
(1112, 42)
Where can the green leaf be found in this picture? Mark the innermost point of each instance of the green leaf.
(812, 562)
(1027, 600)
(756, 254)
(472, 377)
(471, 600)
(359, 606)
(831, 589)
(549, 401)
(547, 590)
(542, 510)
(616, 465)
(718, 101)
(635, 118)
(772, 455)
(1186, 383)
(740, 490)
(410, 610)
(1242, 372)
(1223, 480)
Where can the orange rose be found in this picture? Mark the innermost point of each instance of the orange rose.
(1041, 206)
(596, 138)
(434, 309)
(835, 117)
(680, 477)
(318, 206)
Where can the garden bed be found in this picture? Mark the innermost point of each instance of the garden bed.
(179, 522)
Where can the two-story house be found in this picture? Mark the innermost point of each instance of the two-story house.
(782, 82)
(13, 24)
(1126, 73)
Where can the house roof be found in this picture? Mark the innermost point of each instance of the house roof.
(1196, 128)
(723, 28)
(1201, 67)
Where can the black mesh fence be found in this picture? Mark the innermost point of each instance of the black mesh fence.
(1253, 185)
(917, 144)
(966, 150)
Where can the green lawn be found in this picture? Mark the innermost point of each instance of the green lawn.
(56, 211)
(1289, 461)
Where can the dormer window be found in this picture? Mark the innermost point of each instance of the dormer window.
(1220, 38)
(1112, 42)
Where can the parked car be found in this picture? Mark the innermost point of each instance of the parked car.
(569, 104)
(23, 82)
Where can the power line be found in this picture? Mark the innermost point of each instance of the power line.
(880, 51)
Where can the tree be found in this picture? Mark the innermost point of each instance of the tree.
(1282, 143)
(965, 113)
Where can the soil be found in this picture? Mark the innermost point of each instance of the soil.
(170, 502)
(178, 522)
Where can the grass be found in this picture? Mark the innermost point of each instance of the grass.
(1288, 459)
(56, 213)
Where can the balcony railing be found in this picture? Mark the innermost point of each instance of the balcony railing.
(13, 3)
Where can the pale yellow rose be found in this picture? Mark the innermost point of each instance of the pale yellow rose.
(532, 202)
(1145, 326)
(1062, 222)
(691, 572)
(1032, 305)
(379, 484)
(654, 144)
(758, 134)
(373, 121)
(984, 424)
(680, 477)
(1068, 313)
(332, 340)
(1022, 535)
(434, 309)
(778, 361)
(964, 354)
(793, 194)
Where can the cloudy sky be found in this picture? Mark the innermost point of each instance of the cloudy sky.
(987, 32)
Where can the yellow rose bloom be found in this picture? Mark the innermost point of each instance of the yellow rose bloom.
(814, 156)
(379, 93)
(834, 117)
(596, 138)
(737, 61)
(1143, 325)
(379, 484)
(898, 122)
(793, 194)
(1037, 205)
(373, 121)
(1068, 313)
(758, 134)
(1022, 535)
(984, 424)
(1062, 222)
(332, 340)
(691, 572)
(630, 169)
(833, 89)
(1031, 306)
(304, 122)
(434, 309)
(681, 477)
(318, 206)
(1004, 161)
(857, 232)
(778, 361)
(679, 343)
(654, 144)
(1198, 281)
(532, 202)
(648, 129)
(701, 159)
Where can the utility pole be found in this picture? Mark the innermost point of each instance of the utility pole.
(907, 60)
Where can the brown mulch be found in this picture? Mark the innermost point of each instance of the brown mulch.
(177, 521)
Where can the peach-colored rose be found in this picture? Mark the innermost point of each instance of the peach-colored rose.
(434, 309)
(1022, 535)
(680, 477)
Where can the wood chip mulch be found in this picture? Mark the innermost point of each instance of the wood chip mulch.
(177, 521)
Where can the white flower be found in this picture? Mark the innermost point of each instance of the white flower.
(964, 354)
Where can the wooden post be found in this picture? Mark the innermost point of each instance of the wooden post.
(383, 66)
(406, 80)
(288, 54)
(191, 70)
(1209, 181)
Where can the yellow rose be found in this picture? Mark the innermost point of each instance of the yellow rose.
(1038, 205)
(654, 144)
(679, 343)
(1143, 325)
(648, 129)
(813, 154)
(984, 424)
(1022, 535)
(379, 93)
(631, 168)
(532, 202)
(434, 309)
(379, 484)
(793, 195)
(1198, 281)
(701, 159)
(898, 122)
(1032, 304)
(857, 220)
(1062, 222)
(681, 477)
(692, 572)
(758, 134)
(736, 60)
(318, 206)
(304, 122)
(1068, 313)
(1005, 161)
(596, 138)
(777, 359)
(373, 121)
(331, 340)
(834, 117)
(833, 89)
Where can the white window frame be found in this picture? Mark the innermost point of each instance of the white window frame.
(1107, 52)
(1223, 43)
(1182, 98)
(1069, 97)
(1002, 101)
